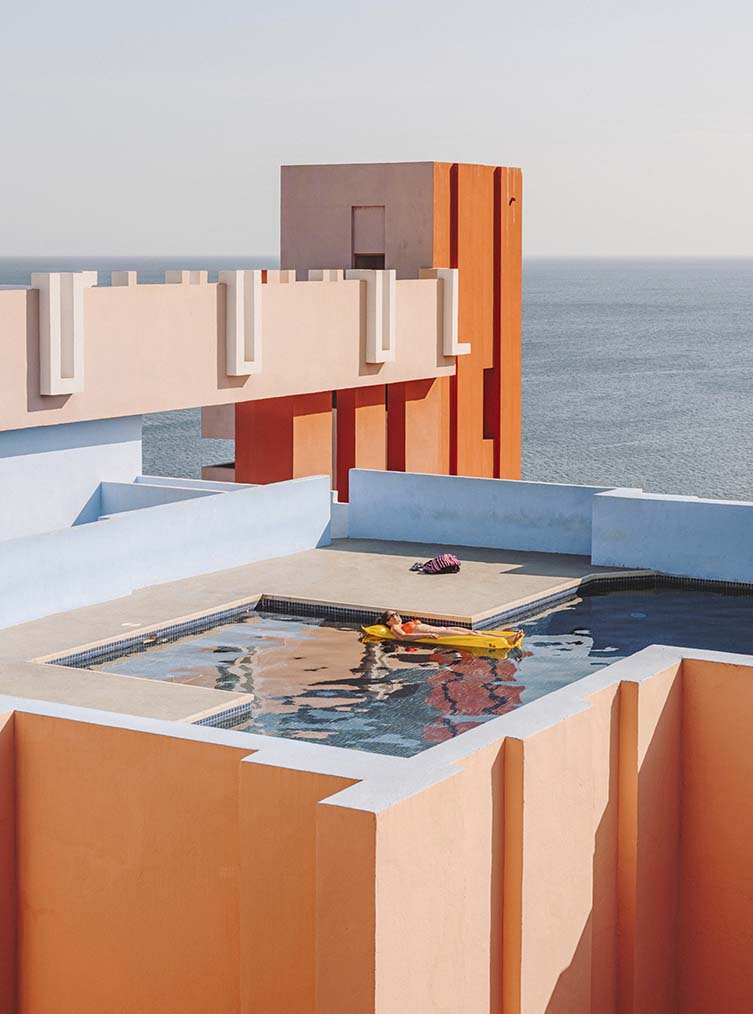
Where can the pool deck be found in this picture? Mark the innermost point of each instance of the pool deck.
(350, 573)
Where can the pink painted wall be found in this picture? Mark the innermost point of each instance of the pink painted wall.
(316, 213)
(152, 348)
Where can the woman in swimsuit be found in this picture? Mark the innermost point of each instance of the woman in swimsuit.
(409, 630)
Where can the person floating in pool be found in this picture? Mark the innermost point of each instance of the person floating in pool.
(409, 630)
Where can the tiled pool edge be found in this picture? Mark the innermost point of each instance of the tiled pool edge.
(105, 651)
(226, 718)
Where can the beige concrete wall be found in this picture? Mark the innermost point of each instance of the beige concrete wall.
(153, 348)
(317, 221)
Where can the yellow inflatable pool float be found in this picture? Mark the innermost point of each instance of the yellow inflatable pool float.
(492, 640)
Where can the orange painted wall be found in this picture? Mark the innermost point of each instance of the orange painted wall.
(418, 426)
(650, 816)
(716, 910)
(477, 228)
(8, 982)
(283, 438)
(475, 259)
(361, 432)
(128, 858)
(439, 865)
(600, 863)
(564, 880)
(468, 424)
(346, 913)
(278, 899)
(508, 366)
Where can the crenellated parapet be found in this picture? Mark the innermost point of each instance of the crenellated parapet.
(126, 349)
(60, 325)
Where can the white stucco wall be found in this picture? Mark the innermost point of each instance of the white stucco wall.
(495, 513)
(50, 475)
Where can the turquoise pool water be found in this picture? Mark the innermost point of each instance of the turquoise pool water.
(315, 680)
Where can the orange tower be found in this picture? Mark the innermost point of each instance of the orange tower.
(406, 216)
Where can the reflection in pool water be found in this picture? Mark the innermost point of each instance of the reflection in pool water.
(312, 679)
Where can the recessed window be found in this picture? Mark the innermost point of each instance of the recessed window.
(371, 261)
(368, 237)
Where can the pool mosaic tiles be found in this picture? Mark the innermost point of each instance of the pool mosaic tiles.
(313, 679)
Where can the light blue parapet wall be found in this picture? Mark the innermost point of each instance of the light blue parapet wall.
(677, 535)
(118, 497)
(495, 513)
(93, 563)
(50, 475)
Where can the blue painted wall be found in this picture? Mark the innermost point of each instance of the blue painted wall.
(117, 497)
(50, 475)
(682, 536)
(80, 566)
(496, 513)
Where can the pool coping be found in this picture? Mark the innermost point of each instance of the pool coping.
(228, 715)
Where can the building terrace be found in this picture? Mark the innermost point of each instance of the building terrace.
(588, 852)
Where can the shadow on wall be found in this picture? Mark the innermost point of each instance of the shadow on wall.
(523, 563)
(91, 509)
(590, 981)
(627, 957)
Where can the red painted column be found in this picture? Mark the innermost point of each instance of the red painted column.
(361, 432)
(283, 438)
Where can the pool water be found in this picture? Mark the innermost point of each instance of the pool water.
(315, 680)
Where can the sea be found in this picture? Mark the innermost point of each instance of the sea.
(636, 371)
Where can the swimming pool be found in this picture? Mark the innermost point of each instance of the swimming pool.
(313, 679)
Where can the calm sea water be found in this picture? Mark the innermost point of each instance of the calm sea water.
(635, 372)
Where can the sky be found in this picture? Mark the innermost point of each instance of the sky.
(158, 127)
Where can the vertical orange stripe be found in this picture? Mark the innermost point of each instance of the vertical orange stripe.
(510, 314)
(445, 256)
(442, 215)
(361, 432)
(312, 434)
(475, 260)
(426, 426)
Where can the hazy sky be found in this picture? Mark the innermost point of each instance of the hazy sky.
(158, 127)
